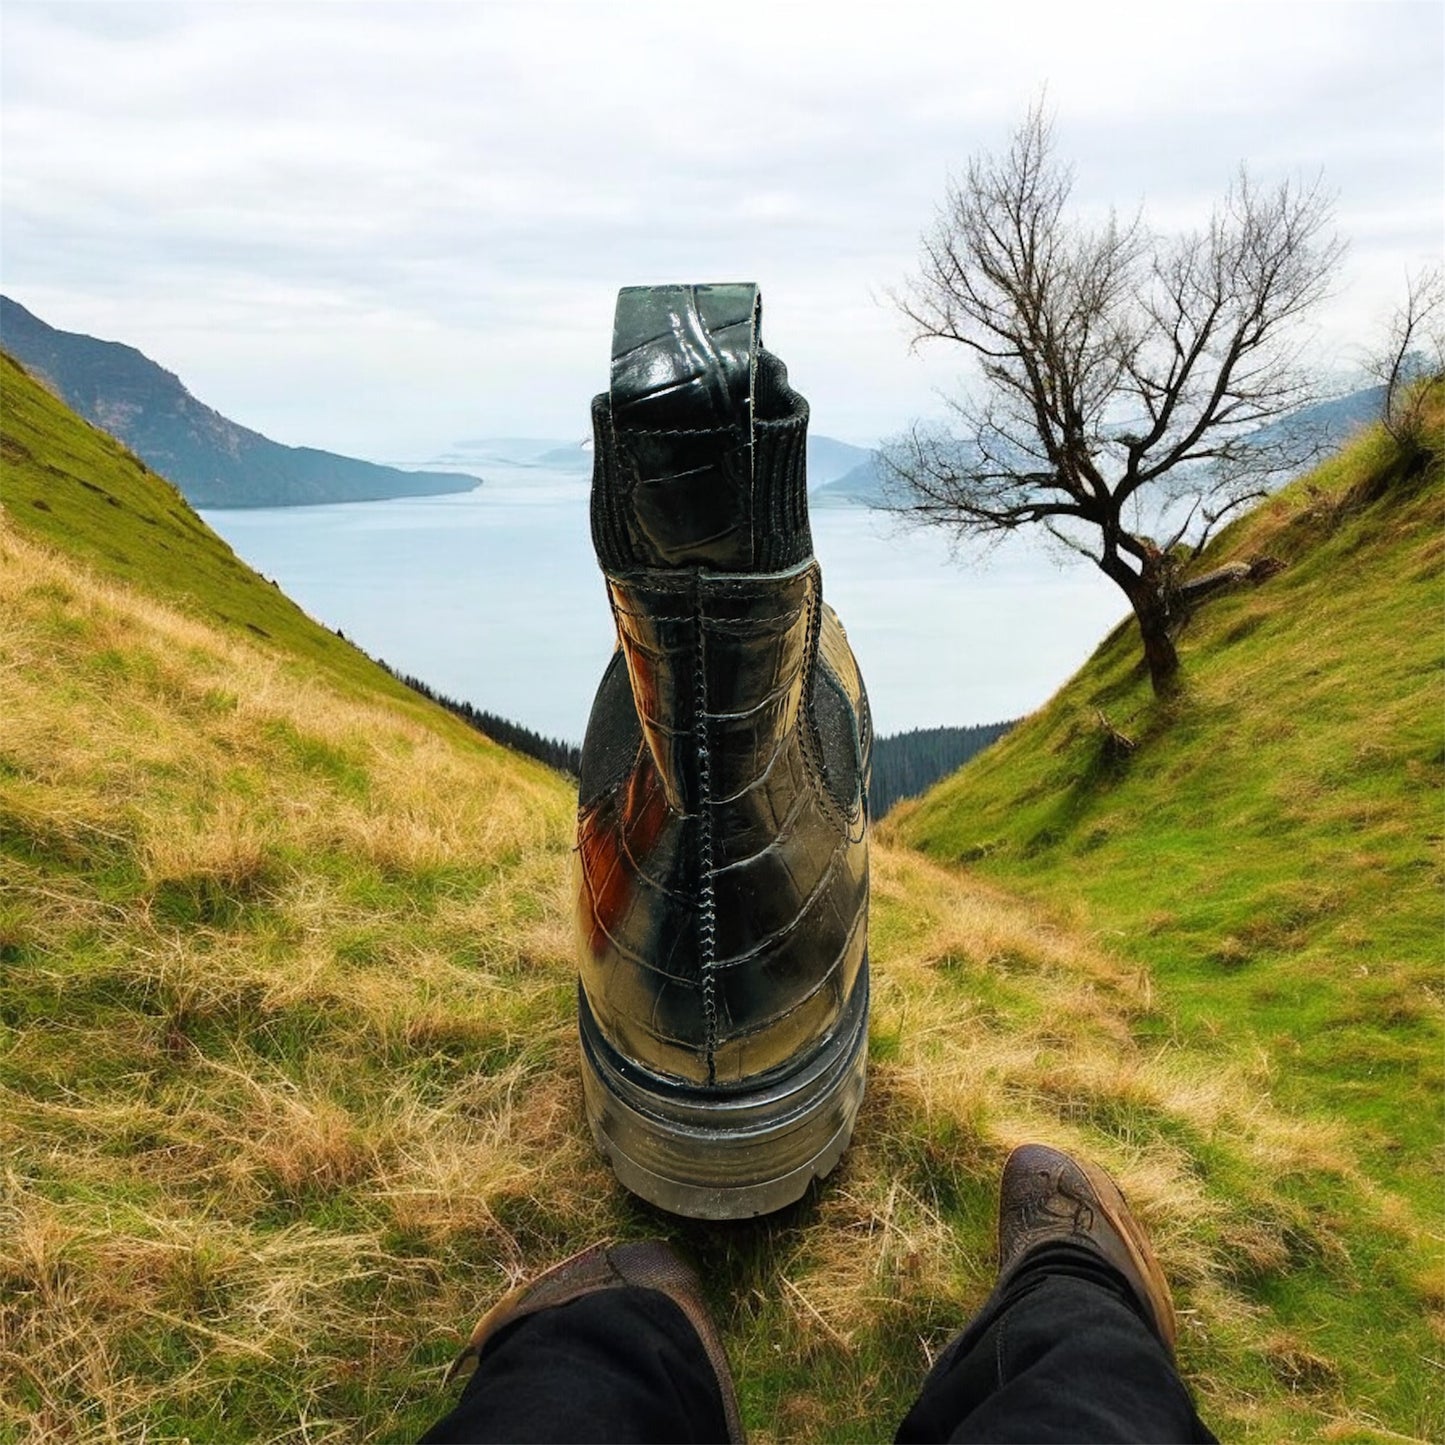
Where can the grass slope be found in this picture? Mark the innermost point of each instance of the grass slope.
(68, 483)
(1270, 852)
(288, 1089)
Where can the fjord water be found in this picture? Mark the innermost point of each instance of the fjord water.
(494, 597)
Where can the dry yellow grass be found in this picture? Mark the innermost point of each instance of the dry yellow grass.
(277, 885)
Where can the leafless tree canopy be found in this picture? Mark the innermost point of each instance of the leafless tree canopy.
(1122, 370)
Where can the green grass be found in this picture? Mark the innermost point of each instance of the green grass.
(68, 483)
(1270, 852)
(288, 1091)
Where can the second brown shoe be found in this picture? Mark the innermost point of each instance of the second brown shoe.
(647, 1264)
(1049, 1197)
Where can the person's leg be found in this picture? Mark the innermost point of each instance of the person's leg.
(613, 1345)
(1063, 1354)
(1076, 1341)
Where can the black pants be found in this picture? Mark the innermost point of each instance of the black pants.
(1060, 1354)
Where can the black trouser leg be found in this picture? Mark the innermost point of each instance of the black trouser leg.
(1061, 1354)
(618, 1365)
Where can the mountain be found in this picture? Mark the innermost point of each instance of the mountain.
(214, 461)
(1320, 428)
(860, 485)
(574, 458)
(829, 459)
(1327, 425)
(288, 1030)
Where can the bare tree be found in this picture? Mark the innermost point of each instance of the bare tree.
(1413, 353)
(1123, 372)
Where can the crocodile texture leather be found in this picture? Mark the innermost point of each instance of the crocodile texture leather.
(722, 830)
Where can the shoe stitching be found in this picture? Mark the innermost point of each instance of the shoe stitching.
(707, 890)
(625, 431)
(810, 746)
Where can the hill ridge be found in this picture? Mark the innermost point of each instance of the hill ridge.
(214, 461)
(1268, 845)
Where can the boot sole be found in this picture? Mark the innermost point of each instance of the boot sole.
(726, 1153)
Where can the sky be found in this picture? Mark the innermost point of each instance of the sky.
(382, 229)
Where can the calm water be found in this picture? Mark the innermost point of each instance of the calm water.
(494, 597)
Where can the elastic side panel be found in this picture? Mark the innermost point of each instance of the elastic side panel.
(781, 536)
(834, 719)
(609, 494)
(613, 734)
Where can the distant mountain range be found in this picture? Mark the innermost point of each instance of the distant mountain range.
(1325, 426)
(1316, 429)
(860, 485)
(216, 462)
(213, 461)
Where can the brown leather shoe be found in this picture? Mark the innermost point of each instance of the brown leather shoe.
(650, 1264)
(1048, 1197)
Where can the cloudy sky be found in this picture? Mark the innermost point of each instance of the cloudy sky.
(383, 228)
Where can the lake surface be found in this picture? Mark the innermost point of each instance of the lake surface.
(494, 597)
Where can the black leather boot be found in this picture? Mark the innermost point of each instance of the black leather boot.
(722, 827)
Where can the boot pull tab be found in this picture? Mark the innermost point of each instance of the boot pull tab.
(684, 378)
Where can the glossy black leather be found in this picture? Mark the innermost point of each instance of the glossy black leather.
(681, 409)
(722, 831)
(700, 442)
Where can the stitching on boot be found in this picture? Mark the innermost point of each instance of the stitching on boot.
(809, 744)
(707, 891)
(625, 431)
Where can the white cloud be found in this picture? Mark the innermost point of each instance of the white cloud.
(381, 227)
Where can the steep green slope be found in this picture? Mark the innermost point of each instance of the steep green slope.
(278, 939)
(1269, 846)
(69, 484)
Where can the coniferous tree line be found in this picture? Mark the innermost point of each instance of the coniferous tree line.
(905, 764)
(565, 757)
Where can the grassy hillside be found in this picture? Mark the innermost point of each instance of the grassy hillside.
(1270, 851)
(288, 1088)
(67, 483)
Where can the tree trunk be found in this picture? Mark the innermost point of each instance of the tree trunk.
(1160, 655)
(1197, 589)
(1189, 595)
(1148, 592)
